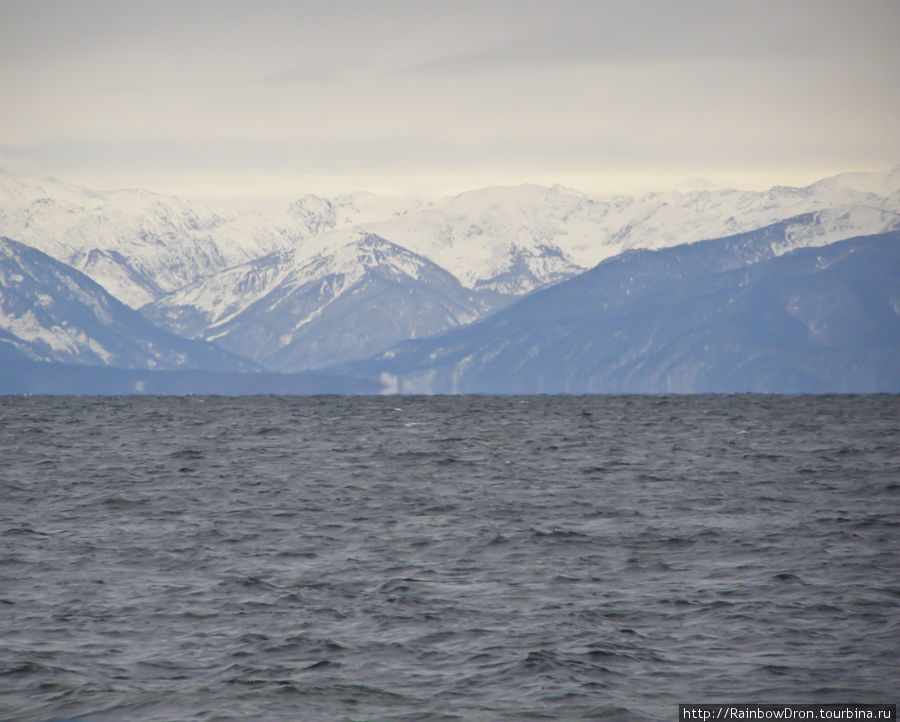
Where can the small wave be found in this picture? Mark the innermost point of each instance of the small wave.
(23, 531)
(268, 430)
(787, 577)
(778, 670)
(542, 660)
(566, 536)
(25, 668)
(248, 582)
(115, 501)
(678, 541)
(187, 454)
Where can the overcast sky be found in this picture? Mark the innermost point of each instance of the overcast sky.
(281, 98)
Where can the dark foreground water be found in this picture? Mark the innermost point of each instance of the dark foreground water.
(468, 558)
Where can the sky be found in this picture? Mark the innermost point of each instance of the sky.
(225, 99)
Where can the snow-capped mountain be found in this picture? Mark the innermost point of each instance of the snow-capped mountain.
(342, 295)
(140, 245)
(329, 280)
(512, 240)
(505, 239)
(135, 244)
(516, 240)
(884, 183)
(301, 309)
(51, 312)
(320, 215)
(724, 315)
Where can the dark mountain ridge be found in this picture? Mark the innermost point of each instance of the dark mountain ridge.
(52, 312)
(724, 315)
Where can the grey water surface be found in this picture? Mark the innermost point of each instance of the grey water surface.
(445, 558)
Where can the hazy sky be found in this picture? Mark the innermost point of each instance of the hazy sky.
(280, 98)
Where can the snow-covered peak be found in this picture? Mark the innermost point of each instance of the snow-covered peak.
(317, 214)
(135, 243)
(323, 214)
(339, 295)
(483, 235)
(512, 239)
(347, 254)
(839, 223)
(525, 197)
(38, 198)
(350, 253)
(883, 183)
(22, 189)
(138, 244)
(51, 312)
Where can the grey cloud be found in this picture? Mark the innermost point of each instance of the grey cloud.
(402, 154)
(305, 73)
(655, 30)
(477, 88)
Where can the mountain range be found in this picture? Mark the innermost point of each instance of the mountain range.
(363, 285)
(726, 315)
(51, 312)
(290, 311)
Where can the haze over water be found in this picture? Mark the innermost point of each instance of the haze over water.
(445, 558)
